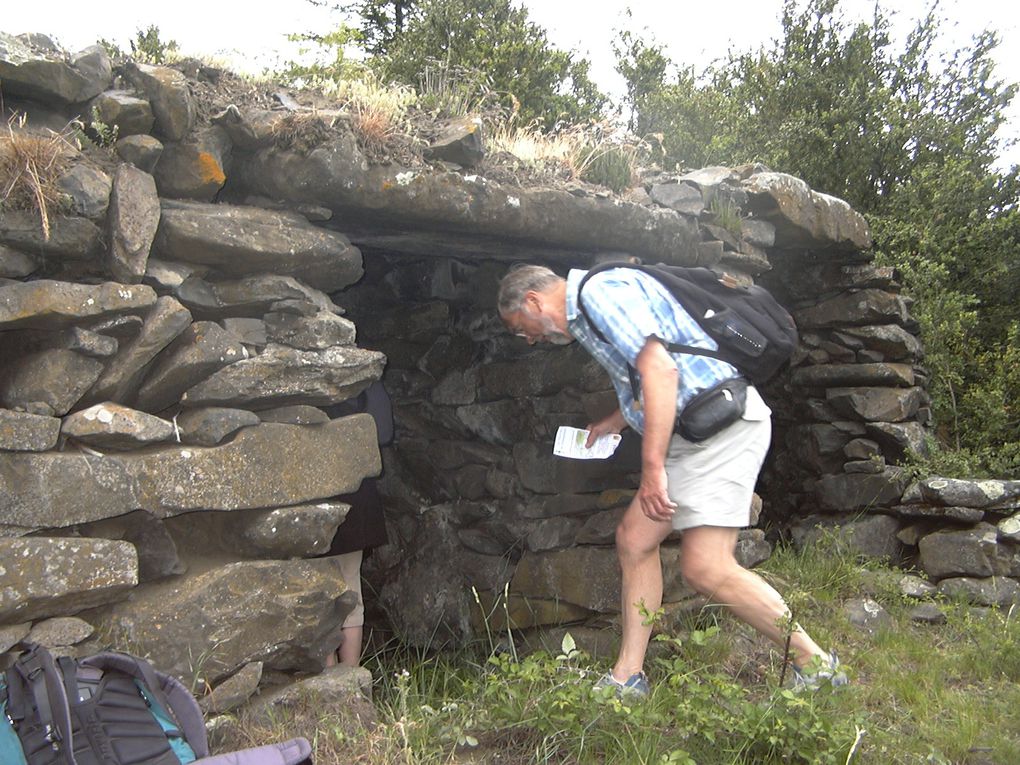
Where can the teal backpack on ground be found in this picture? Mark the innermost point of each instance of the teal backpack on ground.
(110, 709)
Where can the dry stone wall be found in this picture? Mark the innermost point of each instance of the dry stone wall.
(168, 476)
(171, 338)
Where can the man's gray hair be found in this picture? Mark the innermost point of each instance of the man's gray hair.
(521, 280)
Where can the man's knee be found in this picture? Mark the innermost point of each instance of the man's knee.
(626, 539)
(634, 539)
(706, 573)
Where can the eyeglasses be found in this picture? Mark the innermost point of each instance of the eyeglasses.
(517, 331)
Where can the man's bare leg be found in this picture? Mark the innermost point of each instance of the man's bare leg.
(637, 547)
(709, 566)
(350, 649)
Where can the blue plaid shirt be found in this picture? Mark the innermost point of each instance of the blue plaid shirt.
(628, 307)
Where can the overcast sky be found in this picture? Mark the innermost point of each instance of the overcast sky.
(694, 32)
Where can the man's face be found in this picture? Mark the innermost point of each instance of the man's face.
(534, 325)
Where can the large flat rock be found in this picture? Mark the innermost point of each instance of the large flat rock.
(48, 304)
(281, 376)
(805, 218)
(240, 241)
(269, 465)
(67, 238)
(424, 212)
(286, 614)
(42, 577)
(33, 67)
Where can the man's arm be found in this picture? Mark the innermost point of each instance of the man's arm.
(659, 383)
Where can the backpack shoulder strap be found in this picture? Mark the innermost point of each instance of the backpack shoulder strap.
(597, 269)
(42, 682)
(69, 674)
(654, 272)
(669, 279)
(168, 692)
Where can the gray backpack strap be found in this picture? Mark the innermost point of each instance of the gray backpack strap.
(168, 692)
(296, 751)
(43, 682)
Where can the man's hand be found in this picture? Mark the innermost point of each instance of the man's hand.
(654, 497)
(614, 423)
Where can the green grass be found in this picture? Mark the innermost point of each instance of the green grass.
(919, 693)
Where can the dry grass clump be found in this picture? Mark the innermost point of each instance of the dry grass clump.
(302, 132)
(30, 165)
(592, 153)
(378, 112)
(530, 144)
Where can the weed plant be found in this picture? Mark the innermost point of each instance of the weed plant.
(455, 91)
(610, 165)
(377, 111)
(726, 214)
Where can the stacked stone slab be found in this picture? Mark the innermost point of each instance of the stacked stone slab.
(171, 341)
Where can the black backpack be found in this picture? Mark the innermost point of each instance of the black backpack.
(754, 333)
(110, 709)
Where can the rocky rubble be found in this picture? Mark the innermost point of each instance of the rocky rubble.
(171, 342)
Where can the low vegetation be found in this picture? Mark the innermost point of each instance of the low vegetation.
(30, 166)
(593, 153)
(920, 693)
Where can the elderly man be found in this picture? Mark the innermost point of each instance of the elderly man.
(702, 489)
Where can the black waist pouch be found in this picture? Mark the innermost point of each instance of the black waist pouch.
(712, 410)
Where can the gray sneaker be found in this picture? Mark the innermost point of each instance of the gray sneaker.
(636, 685)
(818, 672)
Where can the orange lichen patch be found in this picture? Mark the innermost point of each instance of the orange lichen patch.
(210, 169)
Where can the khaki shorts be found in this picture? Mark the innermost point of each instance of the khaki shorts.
(712, 481)
(350, 569)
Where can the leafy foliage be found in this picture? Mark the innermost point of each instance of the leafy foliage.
(643, 67)
(381, 21)
(331, 63)
(551, 701)
(495, 38)
(908, 137)
(147, 46)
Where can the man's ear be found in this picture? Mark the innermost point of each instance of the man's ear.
(534, 298)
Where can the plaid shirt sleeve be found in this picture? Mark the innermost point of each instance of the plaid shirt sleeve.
(628, 307)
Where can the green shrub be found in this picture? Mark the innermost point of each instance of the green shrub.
(148, 47)
(726, 214)
(455, 91)
(607, 164)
